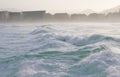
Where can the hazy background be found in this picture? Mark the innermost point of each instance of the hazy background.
(53, 6)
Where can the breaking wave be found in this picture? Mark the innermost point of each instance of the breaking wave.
(58, 51)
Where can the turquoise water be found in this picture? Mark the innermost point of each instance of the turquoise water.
(60, 50)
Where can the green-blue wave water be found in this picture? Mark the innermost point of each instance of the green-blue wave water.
(60, 50)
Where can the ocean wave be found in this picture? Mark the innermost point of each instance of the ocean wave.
(51, 51)
(74, 40)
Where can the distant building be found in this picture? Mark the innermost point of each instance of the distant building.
(78, 17)
(15, 16)
(33, 15)
(48, 17)
(62, 16)
(96, 17)
(3, 16)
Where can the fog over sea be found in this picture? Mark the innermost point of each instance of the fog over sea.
(60, 50)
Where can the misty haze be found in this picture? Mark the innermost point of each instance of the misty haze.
(59, 38)
(109, 15)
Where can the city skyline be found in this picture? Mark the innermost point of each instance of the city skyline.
(42, 16)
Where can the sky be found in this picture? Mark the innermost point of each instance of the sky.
(54, 6)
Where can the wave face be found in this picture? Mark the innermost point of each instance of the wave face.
(60, 50)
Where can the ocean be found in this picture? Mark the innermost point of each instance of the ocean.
(60, 50)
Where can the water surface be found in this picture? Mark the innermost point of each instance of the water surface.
(60, 50)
